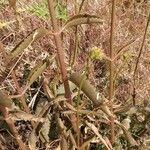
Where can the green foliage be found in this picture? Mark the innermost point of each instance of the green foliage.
(61, 12)
(39, 9)
(96, 53)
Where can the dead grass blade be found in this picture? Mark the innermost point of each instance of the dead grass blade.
(95, 130)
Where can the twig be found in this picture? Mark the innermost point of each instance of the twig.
(60, 54)
(138, 59)
(111, 84)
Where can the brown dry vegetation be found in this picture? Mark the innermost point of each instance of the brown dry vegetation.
(46, 116)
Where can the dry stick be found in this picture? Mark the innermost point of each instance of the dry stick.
(77, 11)
(111, 84)
(138, 59)
(60, 54)
(76, 38)
(23, 102)
(72, 64)
(81, 5)
(19, 91)
(22, 98)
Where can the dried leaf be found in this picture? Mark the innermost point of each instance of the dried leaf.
(70, 107)
(20, 115)
(58, 148)
(95, 130)
(86, 87)
(33, 100)
(5, 24)
(5, 100)
(46, 128)
(126, 123)
(61, 90)
(130, 139)
(36, 34)
(38, 70)
(82, 19)
(47, 90)
(32, 140)
(90, 92)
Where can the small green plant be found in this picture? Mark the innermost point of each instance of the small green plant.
(39, 9)
(96, 53)
(61, 12)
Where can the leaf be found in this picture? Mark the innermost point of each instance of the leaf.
(129, 138)
(32, 140)
(72, 139)
(33, 100)
(82, 19)
(38, 70)
(17, 115)
(47, 90)
(39, 9)
(90, 92)
(61, 12)
(10, 65)
(95, 130)
(36, 34)
(5, 100)
(42, 110)
(87, 88)
(70, 107)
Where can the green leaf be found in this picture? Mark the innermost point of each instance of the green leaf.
(61, 12)
(39, 10)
